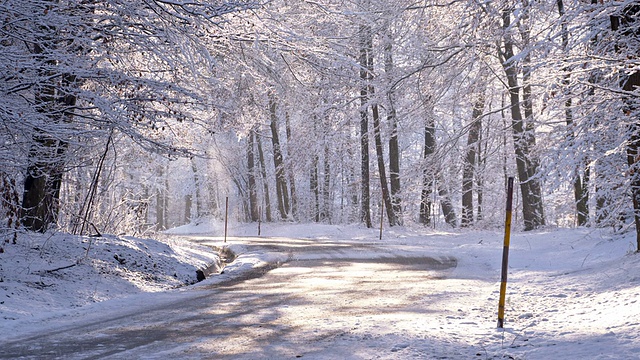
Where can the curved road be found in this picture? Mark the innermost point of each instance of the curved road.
(324, 299)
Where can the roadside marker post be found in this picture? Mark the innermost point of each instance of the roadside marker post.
(505, 253)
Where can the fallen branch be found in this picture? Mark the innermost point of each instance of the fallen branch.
(61, 268)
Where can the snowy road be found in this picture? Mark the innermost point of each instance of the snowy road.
(321, 299)
(307, 292)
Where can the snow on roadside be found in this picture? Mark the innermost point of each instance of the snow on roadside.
(572, 293)
(44, 273)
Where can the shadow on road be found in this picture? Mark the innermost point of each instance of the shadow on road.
(325, 299)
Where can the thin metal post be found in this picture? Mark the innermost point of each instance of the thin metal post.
(226, 217)
(505, 253)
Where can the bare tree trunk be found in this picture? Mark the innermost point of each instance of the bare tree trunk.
(580, 184)
(431, 173)
(213, 191)
(144, 211)
(239, 183)
(291, 171)
(165, 202)
(160, 225)
(326, 186)
(365, 201)
(445, 202)
(161, 202)
(505, 152)
(188, 203)
(281, 182)
(41, 193)
(314, 189)
(482, 158)
(394, 149)
(386, 197)
(352, 187)
(427, 172)
(633, 160)
(265, 182)
(523, 137)
(10, 200)
(41, 196)
(535, 188)
(629, 84)
(367, 61)
(253, 195)
(196, 191)
(469, 166)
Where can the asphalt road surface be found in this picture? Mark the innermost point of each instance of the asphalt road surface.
(326, 299)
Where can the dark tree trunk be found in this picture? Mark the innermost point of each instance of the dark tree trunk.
(254, 213)
(196, 191)
(633, 159)
(281, 182)
(602, 204)
(427, 172)
(482, 158)
(386, 197)
(370, 92)
(314, 189)
(352, 187)
(534, 194)
(469, 166)
(43, 181)
(633, 151)
(161, 203)
(523, 138)
(394, 149)
(188, 203)
(41, 195)
(365, 201)
(580, 184)
(291, 171)
(326, 186)
(625, 25)
(425, 200)
(445, 202)
(265, 182)
(10, 202)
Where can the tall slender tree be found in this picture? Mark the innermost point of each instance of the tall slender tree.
(522, 126)
(469, 161)
(580, 180)
(284, 206)
(251, 178)
(365, 54)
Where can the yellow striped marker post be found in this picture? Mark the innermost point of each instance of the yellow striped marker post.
(505, 253)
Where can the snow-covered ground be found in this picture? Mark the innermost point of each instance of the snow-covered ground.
(44, 273)
(572, 293)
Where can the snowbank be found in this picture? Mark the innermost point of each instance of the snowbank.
(43, 273)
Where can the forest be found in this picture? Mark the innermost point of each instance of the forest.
(137, 116)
